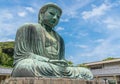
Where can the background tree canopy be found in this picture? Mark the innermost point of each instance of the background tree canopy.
(6, 54)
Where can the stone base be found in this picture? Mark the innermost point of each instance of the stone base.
(36, 80)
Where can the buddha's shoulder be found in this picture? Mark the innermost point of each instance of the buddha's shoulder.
(30, 26)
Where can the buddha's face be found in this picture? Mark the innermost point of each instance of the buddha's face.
(51, 17)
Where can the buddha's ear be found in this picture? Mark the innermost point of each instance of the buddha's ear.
(41, 15)
(40, 18)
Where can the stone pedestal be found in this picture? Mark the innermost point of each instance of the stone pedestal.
(36, 80)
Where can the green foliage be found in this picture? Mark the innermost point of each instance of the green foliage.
(8, 51)
(6, 58)
(70, 63)
(82, 65)
(112, 81)
(109, 58)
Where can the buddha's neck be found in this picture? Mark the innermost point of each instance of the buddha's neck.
(48, 28)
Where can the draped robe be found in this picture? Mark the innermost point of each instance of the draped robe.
(34, 47)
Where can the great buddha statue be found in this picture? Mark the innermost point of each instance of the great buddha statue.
(39, 50)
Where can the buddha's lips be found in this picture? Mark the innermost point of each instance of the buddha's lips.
(53, 21)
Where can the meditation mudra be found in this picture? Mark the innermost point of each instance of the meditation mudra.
(39, 50)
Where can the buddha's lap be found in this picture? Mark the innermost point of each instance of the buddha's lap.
(34, 64)
(29, 66)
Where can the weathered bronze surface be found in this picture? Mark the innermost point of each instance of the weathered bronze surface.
(39, 50)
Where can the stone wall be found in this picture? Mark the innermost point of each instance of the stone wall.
(37, 80)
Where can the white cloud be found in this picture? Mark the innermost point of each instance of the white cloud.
(70, 58)
(64, 20)
(7, 29)
(108, 47)
(5, 15)
(80, 34)
(99, 40)
(96, 11)
(30, 9)
(81, 46)
(112, 23)
(59, 29)
(8, 16)
(110, 26)
(6, 39)
(9, 23)
(71, 11)
(22, 14)
(6, 23)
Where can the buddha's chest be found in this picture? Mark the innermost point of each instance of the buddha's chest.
(51, 45)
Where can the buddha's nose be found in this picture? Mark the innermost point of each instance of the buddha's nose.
(54, 18)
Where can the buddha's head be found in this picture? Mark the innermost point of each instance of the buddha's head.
(49, 15)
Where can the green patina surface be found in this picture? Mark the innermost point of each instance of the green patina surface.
(39, 50)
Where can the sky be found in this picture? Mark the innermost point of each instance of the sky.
(90, 28)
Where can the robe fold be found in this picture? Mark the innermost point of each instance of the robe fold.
(34, 47)
(30, 39)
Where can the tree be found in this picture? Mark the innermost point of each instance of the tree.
(109, 58)
(82, 65)
(6, 53)
(70, 63)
